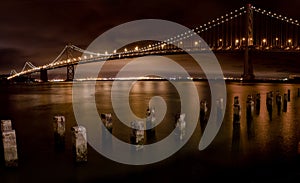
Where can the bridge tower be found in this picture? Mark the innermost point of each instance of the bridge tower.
(70, 67)
(248, 66)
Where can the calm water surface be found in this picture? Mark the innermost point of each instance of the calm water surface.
(261, 150)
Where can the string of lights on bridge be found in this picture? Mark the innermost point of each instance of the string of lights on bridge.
(175, 40)
(277, 16)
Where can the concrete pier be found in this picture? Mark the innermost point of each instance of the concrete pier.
(79, 144)
(59, 128)
(10, 148)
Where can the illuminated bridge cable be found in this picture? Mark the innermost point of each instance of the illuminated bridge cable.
(29, 64)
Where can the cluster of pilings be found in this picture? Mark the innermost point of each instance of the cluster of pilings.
(276, 100)
(79, 138)
(204, 112)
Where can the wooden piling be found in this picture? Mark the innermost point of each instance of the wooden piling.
(79, 144)
(137, 136)
(59, 127)
(180, 126)
(10, 148)
(6, 125)
(236, 110)
(285, 101)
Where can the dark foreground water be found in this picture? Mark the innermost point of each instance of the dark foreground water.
(262, 150)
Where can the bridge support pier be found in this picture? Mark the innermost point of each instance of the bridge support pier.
(44, 75)
(70, 72)
(248, 65)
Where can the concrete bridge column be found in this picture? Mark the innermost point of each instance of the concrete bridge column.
(44, 75)
(70, 72)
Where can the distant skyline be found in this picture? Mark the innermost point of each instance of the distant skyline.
(37, 30)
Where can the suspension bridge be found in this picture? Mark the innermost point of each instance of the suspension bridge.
(248, 29)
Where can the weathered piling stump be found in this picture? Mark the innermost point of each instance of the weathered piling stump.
(150, 123)
(269, 103)
(285, 101)
(6, 125)
(249, 107)
(289, 95)
(279, 103)
(79, 144)
(107, 121)
(180, 126)
(10, 148)
(59, 127)
(257, 103)
(236, 110)
(137, 136)
(203, 114)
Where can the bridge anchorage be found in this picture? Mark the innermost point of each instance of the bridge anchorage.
(247, 30)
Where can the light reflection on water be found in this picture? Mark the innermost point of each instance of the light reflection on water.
(32, 107)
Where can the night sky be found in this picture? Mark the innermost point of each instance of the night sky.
(37, 30)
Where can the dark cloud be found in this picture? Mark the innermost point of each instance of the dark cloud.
(10, 58)
(39, 29)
